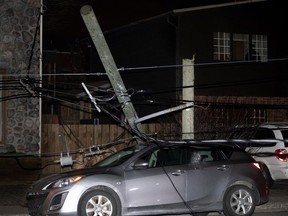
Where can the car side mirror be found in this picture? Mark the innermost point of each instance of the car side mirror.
(140, 164)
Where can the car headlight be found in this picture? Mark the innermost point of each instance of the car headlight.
(63, 182)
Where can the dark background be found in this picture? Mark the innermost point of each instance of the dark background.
(63, 24)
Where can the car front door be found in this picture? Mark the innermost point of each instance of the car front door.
(158, 185)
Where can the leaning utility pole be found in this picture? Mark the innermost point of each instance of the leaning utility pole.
(111, 69)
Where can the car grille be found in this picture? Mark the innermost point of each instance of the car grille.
(35, 202)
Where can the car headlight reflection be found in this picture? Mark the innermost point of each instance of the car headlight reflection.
(64, 182)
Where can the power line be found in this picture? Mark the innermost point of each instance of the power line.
(144, 68)
(197, 64)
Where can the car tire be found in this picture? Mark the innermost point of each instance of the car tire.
(99, 202)
(239, 200)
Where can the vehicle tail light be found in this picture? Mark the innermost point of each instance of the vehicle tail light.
(281, 154)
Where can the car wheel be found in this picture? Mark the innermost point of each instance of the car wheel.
(99, 203)
(267, 175)
(239, 200)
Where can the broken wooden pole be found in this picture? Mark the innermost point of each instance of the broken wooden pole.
(110, 67)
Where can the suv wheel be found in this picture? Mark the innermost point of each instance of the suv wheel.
(239, 200)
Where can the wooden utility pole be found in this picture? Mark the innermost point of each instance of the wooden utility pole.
(188, 95)
(111, 69)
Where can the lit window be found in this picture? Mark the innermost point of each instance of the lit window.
(239, 47)
(259, 48)
(221, 46)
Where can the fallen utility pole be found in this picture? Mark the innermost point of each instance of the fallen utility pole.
(111, 69)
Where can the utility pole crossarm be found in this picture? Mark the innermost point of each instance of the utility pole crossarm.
(111, 69)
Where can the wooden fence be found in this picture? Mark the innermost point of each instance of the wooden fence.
(77, 139)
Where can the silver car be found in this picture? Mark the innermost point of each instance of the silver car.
(156, 178)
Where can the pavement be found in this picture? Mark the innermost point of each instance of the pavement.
(12, 199)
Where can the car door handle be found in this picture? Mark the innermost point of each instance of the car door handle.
(178, 172)
(223, 167)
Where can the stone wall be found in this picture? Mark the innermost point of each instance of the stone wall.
(18, 23)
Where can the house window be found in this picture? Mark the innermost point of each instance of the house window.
(259, 48)
(257, 116)
(221, 46)
(239, 47)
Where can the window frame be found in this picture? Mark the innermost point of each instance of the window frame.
(258, 116)
(255, 47)
(259, 47)
(221, 46)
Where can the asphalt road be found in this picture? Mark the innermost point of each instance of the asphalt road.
(277, 205)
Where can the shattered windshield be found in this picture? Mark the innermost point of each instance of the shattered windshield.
(120, 156)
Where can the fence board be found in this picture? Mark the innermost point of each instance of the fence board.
(78, 138)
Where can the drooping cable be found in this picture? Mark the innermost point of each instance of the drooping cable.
(34, 42)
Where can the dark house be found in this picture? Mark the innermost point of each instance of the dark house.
(240, 50)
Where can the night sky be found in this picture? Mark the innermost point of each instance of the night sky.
(63, 24)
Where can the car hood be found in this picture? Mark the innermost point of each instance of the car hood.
(41, 183)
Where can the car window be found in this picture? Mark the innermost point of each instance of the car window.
(264, 133)
(165, 157)
(205, 155)
(219, 155)
(285, 136)
(120, 156)
(181, 155)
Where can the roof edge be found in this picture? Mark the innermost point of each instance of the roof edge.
(183, 10)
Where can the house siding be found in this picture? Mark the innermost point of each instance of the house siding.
(277, 106)
(195, 33)
(219, 114)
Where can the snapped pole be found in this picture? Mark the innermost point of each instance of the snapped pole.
(110, 67)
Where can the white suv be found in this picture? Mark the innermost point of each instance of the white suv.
(274, 158)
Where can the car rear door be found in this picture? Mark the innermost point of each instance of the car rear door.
(207, 177)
